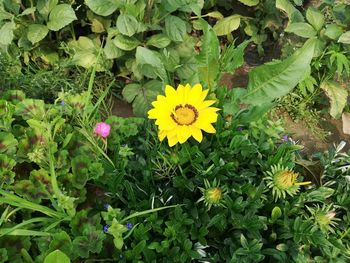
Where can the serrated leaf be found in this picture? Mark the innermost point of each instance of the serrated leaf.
(301, 29)
(274, 80)
(37, 32)
(337, 95)
(125, 42)
(127, 24)
(345, 38)
(57, 256)
(315, 18)
(227, 25)
(130, 91)
(152, 62)
(175, 28)
(159, 41)
(61, 16)
(103, 7)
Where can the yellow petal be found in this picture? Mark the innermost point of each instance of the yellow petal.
(195, 94)
(205, 126)
(172, 141)
(183, 133)
(208, 115)
(162, 134)
(204, 94)
(196, 133)
(206, 104)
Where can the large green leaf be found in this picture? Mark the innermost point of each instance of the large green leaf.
(301, 29)
(345, 38)
(293, 14)
(37, 32)
(271, 81)
(44, 7)
(250, 2)
(125, 42)
(61, 16)
(103, 7)
(57, 256)
(337, 95)
(149, 61)
(227, 25)
(6, 33)
(208, 59)
(175, 28)
(127, 24)
(315, 18)
(142, 96)
(333, 31)
(159, 41)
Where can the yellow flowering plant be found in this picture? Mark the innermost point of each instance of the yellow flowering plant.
(183, 113)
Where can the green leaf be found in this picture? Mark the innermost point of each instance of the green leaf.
(111, 50)
(333, 31)
(127, 24)
(227, 25)
(208, 66)
(45, 6)
(57, 257)
(142, 96)
(175, 28)
(293, 14)
(274, 80)
(159, 41)
(233, 57)
(315, 18)
(28, 11)
(103, 7)
(6, 33)
(337, 95)
(37, 32)
(61, 16)
(301, 29)
(146, 57)
(345, 38)
(125, 42)
(250, 2)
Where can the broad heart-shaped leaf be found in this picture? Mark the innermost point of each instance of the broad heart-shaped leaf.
(271, 81)
(111, 50)
(250, 2)
(337, 95)
(6, 33)
(345, 38)
(175, 28)
(57, 256)
(227, 25)
(315, 18)
(37, 32)
(61, 16)
(103, 7)
(127, 24)
(208, 59)
(301, 29)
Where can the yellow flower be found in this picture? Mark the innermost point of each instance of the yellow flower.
(183, 113)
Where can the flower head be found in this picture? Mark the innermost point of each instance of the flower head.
(212, 194)
(324, 217)
(283, 181)
(285, 138)
(103, 129)
(105, 228)
(183, 113)
(129, 226)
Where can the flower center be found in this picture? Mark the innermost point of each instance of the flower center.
(185, 115)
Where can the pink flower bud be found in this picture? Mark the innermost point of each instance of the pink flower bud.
(102, 129)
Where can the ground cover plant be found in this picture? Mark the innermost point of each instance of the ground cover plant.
(202, 174)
